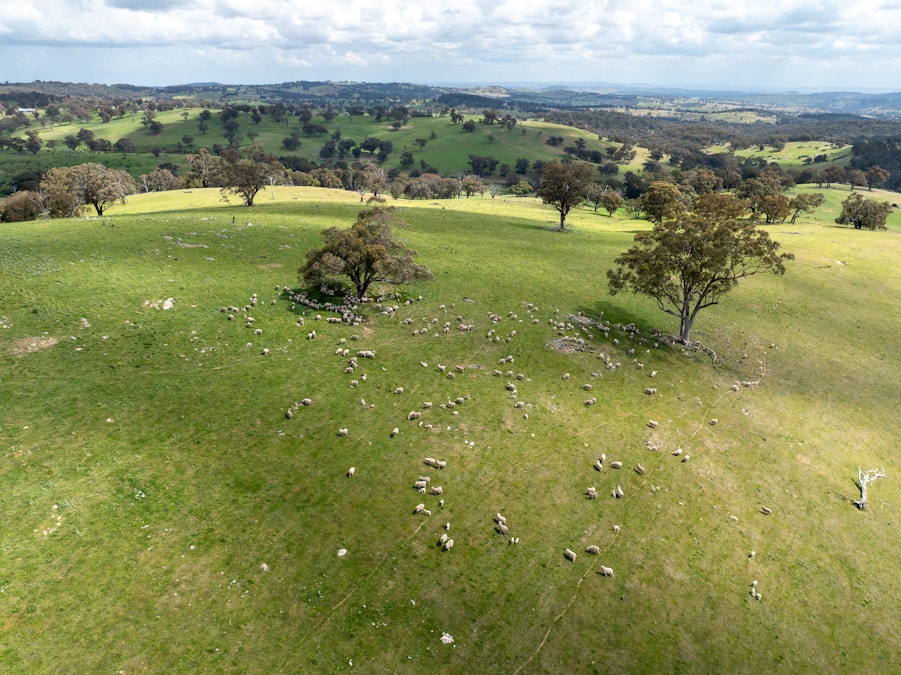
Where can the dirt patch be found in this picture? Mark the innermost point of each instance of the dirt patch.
(270, 266)
(32, 344)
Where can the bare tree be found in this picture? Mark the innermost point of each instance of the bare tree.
(864, 478)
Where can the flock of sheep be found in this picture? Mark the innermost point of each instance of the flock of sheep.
(562, 340)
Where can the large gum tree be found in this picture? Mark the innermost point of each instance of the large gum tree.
(689, 263)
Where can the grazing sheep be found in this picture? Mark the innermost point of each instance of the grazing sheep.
(342, 432)
(289, 414)
(616, 465)
(652, 424)
(426, 512)
(420, 484)
(650, 391)
(639, 469)
(598, 465)
(425, 478)
(766, 511)
(258, 331)
(511, 386)
(414, 415)
(423, 364)
(399, 390)
(265, 352)
(686, 458)
(448, 545)
(500, 519)
(441, 464)
(437, 490)
(618, 492)
(677, 452)
(593, 550)
(616, 528)
(565, 376)
(394, 432)
(606, 571)
(586, 387)
(570, 555)
(459, 400)
(590, 401)
(447, 526)
(430, 461)
(442, 539)
(592, 493)
(442, 368)
(354, 383)
(713, 422)
(351, 471)
(419, 508)
(427, 405)
(502, 529)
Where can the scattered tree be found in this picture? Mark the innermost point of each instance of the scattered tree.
(864, 213)
(366, 252)
(662, 201)
(563, 186)
(90, 183)
(689, 263)
(806, 201)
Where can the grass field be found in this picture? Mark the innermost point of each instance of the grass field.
(448, 151)
(160, 513)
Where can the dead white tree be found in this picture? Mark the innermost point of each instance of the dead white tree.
(864, 478)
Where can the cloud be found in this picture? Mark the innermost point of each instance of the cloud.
(428, 41)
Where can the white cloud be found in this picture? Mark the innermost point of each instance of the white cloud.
(647, 40)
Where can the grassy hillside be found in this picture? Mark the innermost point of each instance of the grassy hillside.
(160, 513)
(448, 151)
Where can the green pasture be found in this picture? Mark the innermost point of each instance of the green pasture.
(796, 154)
(448, 152)
(161, 513)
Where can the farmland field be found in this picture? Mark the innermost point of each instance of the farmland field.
(161, 512)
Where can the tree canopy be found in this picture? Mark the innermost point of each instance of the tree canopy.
(689, 263)
(364, 253)
(89, 183)
(563, 186)
(864, 213)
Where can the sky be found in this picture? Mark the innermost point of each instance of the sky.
(821, 45)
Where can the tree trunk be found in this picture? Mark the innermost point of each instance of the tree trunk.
(562, 221)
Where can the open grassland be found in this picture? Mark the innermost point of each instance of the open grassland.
(795, 155)
(149, 471)
(447, 146)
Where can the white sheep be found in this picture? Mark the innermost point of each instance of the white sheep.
(441, 464)
(500, 519)
(616, 528)
(437, 490)
(618, 492)
(598, 465)
(420, 484)
(430, 461)
(414, 415)
(639, 469)
(442, 539)
(570, 555)
(419, 508)
(650, 391)
(399, 390)
(606, 571)
(592, 493)
(448, 545)
(394, 432)
(616, 465)
(590, 401)
(593, 550)
(502, 529)
(427, 405)
(351, 471)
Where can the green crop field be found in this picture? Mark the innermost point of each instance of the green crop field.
(161, 513)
